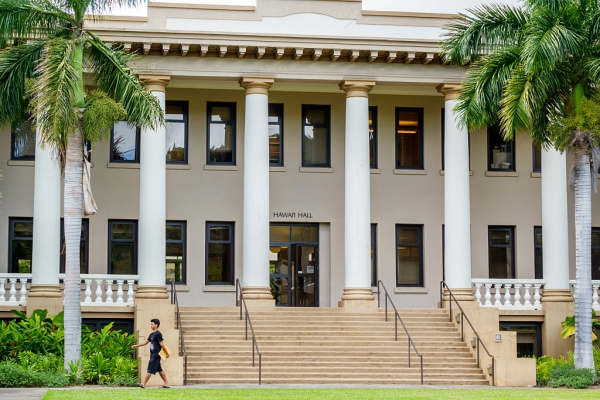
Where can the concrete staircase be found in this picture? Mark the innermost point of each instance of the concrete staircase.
(325, 346)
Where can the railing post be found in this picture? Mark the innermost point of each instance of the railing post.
(493, 371)
(13, 289)
(247, 331)
(421, 357)
(99, 290)
(386, 318)
(109, 292)
(396, 329)
(2, 290)
(23, 293)
(462, 327)
(478, 363)
(259, 369)
(130, 293)
(408, 352)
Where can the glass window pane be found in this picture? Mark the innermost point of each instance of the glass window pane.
(307, 234)
(219, 262)
(315, 146)
(174, 262)
(595, 238)
(409, 148)
(220, 233)
(175, 141)
(220, 114)
(409, 264)
(537, 158)
(174, 232)
(274, 144)
(122, 231)
(124, 142)
(274, 115)
(596, 264)
(500, 263)
(24, 141)
(501, 152)
(538, 237)
(122, 258)
(500, 237)
(21, 256)
(408, 122)
(279, 233)
(175, 111)
(409, 236)
(315, 116)
(221, 143)
(23, 229)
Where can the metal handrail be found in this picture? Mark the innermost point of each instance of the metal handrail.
(182, 351)
(462, 332)
(239, 296)
(410, 341)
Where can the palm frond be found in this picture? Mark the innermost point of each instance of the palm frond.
(486, 29)
(54, 89)
(551, 5)
(16, 65)
(113, 76)
(23, 19)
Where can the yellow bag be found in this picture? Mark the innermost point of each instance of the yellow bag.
(164, 352)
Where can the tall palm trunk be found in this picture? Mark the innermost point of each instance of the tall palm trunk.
(73, 210)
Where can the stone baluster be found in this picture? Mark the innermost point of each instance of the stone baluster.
(507, 295)
(120, 292)
(595, 303)
(497, 295)
(130, 295)
(88, 291)
(527, 296)
(109, 291)
(98, 291)
(23, 292)
(517, 302)
(13, 289)
(478, 293)
(2, 289)
(537, 296)
(488, 294)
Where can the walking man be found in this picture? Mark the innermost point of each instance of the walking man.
(156, 344)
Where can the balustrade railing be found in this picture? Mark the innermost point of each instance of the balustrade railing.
(509, 294)
(595, 289)
(97, 290)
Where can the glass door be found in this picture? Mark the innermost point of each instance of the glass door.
(305, 276)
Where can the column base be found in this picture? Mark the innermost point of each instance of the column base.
(556, 296)
(258, 297)
(45, 297)
(557, 305)
(463, 295)
(151, 292)
(358, 299)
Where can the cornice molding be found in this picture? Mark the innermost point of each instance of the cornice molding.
(357, 87)
(155, 82)
(257, 84)
(376, 13)
(200, 6)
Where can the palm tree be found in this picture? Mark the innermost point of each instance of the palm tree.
(532, 68)
(45, 42)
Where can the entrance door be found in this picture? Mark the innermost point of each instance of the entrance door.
(305, 276)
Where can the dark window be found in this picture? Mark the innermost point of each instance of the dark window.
(219, 253)
(537, 158)
(501, 252)
(21, 245)
(409, 138)
(122, 247)
(373, 254)
(316, 139)
(409, 255)
(176, 251)
(444, 142)
(23, 142)
(529, 337)
(539, 260)
(125, 143)
(501, 154)
(444, 252)
(595, 253)
(176, 144)
(276, 134)
(221, 133)
(96, 324)
(83, 246)
(373, 136)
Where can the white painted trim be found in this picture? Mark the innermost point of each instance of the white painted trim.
(536, 174)
(412, 290)
(316, 169)
(218, 288)
(179, 166)
(221, 167)
(410, 172)
(375, 170)
(507, 174)
(442, 172)
(123, 165)
(277, 169)
(21, 163)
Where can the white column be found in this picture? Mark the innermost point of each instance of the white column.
(457, 205)
(255, 252)
(152, 220)
(357, 211)
(555, 226)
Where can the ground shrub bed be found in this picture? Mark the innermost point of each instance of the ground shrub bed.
(31, 354)
(558, 372)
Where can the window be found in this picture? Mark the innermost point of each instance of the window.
(176, 114)
(175, 262)
(529, 337)
(83, 246)
(501, 252)
(219, 253)
(21, 245)
(316, 136)
(537, 158)
(409, 255)
(444, 142)
(409, 138)
(373, 137)
(125, 143)
(221, 133)
(595, 253)
(373, 254)
(276, 134)
(501, 154)
(538, 258)
(122, 247)
(23, 142)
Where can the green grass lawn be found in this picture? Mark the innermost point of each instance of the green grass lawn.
(325, 394)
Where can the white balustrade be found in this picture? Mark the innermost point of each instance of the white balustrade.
(595, 289)
(510, 294)
(17, 283)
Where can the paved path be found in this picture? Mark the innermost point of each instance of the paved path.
(22, 394)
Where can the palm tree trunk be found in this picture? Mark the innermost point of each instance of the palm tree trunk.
(73, 210)
(583, 356)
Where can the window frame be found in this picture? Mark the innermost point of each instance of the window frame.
(136, 159)
(420, 245)
(231, 241)
(183, 241)
(327, 125)
(111, 223)
(233, 107)
(513, 154)
(279, 108)
(510, 229)
(538, 272)
(186, 111)
(85, 225)
(533, 158)
(373, 125)
(420, 112)
(374, 255)
(12, 145)
(12, 237)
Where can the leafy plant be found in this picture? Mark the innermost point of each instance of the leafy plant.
(13, 375)
(569, 326)
(96, 369)
(567, 375)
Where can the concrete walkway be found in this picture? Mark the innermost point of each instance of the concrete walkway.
(22, 394)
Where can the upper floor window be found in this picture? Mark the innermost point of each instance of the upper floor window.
(125, 143)
(501, 153)
(501, 250)
(409, 255)
(176, 115)
(595, 253)
(221, 133)
(176, 258)
(373, 254)
(23, 142)
(219, 253)
(373, 136)
(537, 158)
(539, 255)
(316, 140)
(20, 249)
(276, 134)
(83, 246)
(122, 247)
(409, 138)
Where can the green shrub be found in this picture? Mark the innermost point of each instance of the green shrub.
(13, 375)
(567, 375)
(40, 362)
(111, 343)
(597, 358)
(545, 364)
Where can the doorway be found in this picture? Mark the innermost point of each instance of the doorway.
(293, 264)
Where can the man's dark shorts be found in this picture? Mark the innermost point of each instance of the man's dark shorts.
(154, 365)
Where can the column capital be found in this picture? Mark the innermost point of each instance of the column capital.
(155, 82)
(449, 90)
(257, 84)
(357, 87)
